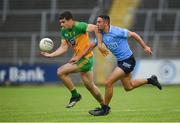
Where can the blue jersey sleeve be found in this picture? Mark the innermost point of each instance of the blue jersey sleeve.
(120, 32)
(125, 33)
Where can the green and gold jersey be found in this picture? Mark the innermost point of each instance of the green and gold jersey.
(77, 37)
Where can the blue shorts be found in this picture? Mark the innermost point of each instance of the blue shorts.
(128, 64)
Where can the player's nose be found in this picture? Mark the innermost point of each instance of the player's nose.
(62, 25)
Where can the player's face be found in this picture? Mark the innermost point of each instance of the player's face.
(100, 23)
(65, 23)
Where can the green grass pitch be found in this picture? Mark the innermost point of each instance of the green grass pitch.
(47, 104)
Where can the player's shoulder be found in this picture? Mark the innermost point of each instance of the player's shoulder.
(118, 29)
(80, 23)
(81, 26)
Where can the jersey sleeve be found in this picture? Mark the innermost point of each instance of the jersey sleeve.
(123, 32)
(82, 26)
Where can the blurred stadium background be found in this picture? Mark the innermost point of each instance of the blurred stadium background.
(24, 23)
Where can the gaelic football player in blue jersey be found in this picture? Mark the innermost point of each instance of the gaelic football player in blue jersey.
(116, 40)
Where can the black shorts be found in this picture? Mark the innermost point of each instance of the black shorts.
(128, 64)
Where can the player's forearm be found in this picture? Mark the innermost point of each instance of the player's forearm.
(139, 40)
(99, 39)
(58, 52)
(87, 49)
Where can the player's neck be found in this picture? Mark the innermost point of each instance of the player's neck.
(106, 29)
(72, 23)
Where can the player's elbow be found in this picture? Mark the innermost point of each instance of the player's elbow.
(63, 50)
(132, 34)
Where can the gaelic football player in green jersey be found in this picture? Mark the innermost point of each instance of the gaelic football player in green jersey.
(75, 35)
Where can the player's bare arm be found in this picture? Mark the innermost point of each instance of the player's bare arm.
(61, 50)
(88, 49)
(91, 28)
(101, 47)
(146, 48)
(94, 28)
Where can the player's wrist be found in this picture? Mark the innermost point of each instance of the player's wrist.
(144, 46)
(100, 45)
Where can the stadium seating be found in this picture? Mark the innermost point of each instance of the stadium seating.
(24, 19)
(167, 18)
(23, 22)
(157, 22)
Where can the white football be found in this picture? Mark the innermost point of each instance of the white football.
(46, 44)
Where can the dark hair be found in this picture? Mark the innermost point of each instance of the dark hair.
(66, 15)
(105, 18)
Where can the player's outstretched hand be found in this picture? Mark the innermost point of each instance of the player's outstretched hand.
(103, 50)
(148, 50)
(46, 54)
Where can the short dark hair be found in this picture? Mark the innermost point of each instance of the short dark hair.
(105, 17)
(66, 15)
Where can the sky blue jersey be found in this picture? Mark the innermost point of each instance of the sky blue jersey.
(116, 40)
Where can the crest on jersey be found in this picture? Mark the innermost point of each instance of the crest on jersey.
(72, 41)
